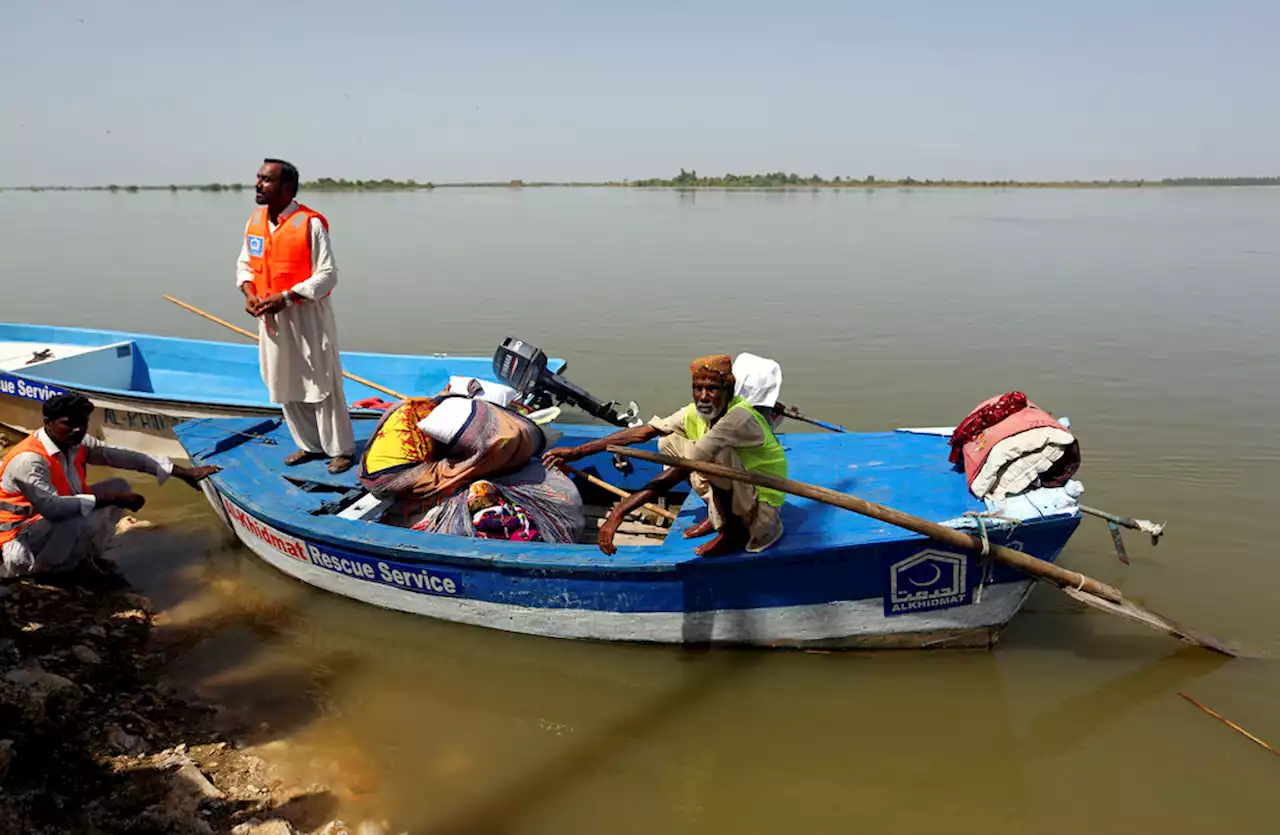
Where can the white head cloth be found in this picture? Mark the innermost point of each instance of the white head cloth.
(495, 393)
(759, 380)
(446, 421)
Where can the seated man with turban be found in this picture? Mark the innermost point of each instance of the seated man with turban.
(719, 427)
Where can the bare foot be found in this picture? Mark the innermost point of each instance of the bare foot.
(701, 529)
(726, 542)
(129, 523)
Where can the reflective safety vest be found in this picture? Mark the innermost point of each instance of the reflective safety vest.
(282, 258)
(15, 511)
(769, 458)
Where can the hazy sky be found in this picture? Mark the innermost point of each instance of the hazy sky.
(159, 92)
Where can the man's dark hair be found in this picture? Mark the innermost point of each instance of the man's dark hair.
(288, 172)
(71, 404)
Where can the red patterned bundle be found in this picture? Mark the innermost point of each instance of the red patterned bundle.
(988, 414)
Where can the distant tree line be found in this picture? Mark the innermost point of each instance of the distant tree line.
(171, 187)
(781, 179)
(690, 179)
(330, 184)
(1221, 181)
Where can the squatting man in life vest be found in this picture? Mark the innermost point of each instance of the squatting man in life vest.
(286, 272)
(51, 519)
(719, 427)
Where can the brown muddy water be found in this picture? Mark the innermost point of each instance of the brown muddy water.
(1147, 316)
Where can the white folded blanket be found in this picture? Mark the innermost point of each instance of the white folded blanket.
(1017, 461)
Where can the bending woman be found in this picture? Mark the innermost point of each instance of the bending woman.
(426, 452)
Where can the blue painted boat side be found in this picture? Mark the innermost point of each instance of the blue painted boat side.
(827, 554)
(172, 369)
(749, 582)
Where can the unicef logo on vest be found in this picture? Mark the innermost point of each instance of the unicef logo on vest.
(255, 245)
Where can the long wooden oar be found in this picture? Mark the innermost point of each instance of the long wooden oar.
(1080, 587)
(361, 380)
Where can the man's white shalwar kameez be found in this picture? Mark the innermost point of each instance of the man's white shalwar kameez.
(300, 362)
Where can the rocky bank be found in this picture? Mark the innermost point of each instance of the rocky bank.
(93, 738)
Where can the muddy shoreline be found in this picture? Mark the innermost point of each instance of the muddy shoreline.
(93, 738)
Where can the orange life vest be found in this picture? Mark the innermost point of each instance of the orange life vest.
(282, 258)
(15, 511)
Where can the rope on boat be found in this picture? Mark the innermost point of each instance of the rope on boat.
(988, 568)
(982, 528)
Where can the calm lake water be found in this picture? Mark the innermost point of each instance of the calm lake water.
(1149, 317)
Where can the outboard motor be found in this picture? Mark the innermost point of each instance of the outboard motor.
(524, 367)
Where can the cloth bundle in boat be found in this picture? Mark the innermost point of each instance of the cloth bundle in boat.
(1010, 445)
(459, 441)
(496, 518)
(447, 420)
(451, 442)
(548, 496)
(482, 390)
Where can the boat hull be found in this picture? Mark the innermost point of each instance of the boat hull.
(834, 580)
(837, 624)
(133, 423)
(145, 385)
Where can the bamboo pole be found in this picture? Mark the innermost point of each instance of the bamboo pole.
(1232, 725)
(361, 380)
(1078, 586)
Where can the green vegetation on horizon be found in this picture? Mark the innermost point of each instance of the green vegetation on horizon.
(691, 180)
(779, 179)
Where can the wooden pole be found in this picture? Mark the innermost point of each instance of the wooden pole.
(950, 536)
(212, 318)
(361, 380)
(1150, 528)
(794, 413)
(618, 491)
(1078, 586)
(1232, 725)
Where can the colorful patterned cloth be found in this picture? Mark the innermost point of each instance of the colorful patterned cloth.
(494, 441)
(482, 494)
(547, 497)
(505, 521)
(396, 440)
(987, 414)
(498, 447)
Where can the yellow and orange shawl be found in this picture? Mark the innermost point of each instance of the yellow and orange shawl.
(398, 441)
(403, 462)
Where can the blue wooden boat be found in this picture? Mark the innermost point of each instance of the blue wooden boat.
(144, 384)
(836, 579)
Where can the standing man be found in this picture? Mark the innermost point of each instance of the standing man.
(286, 272)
